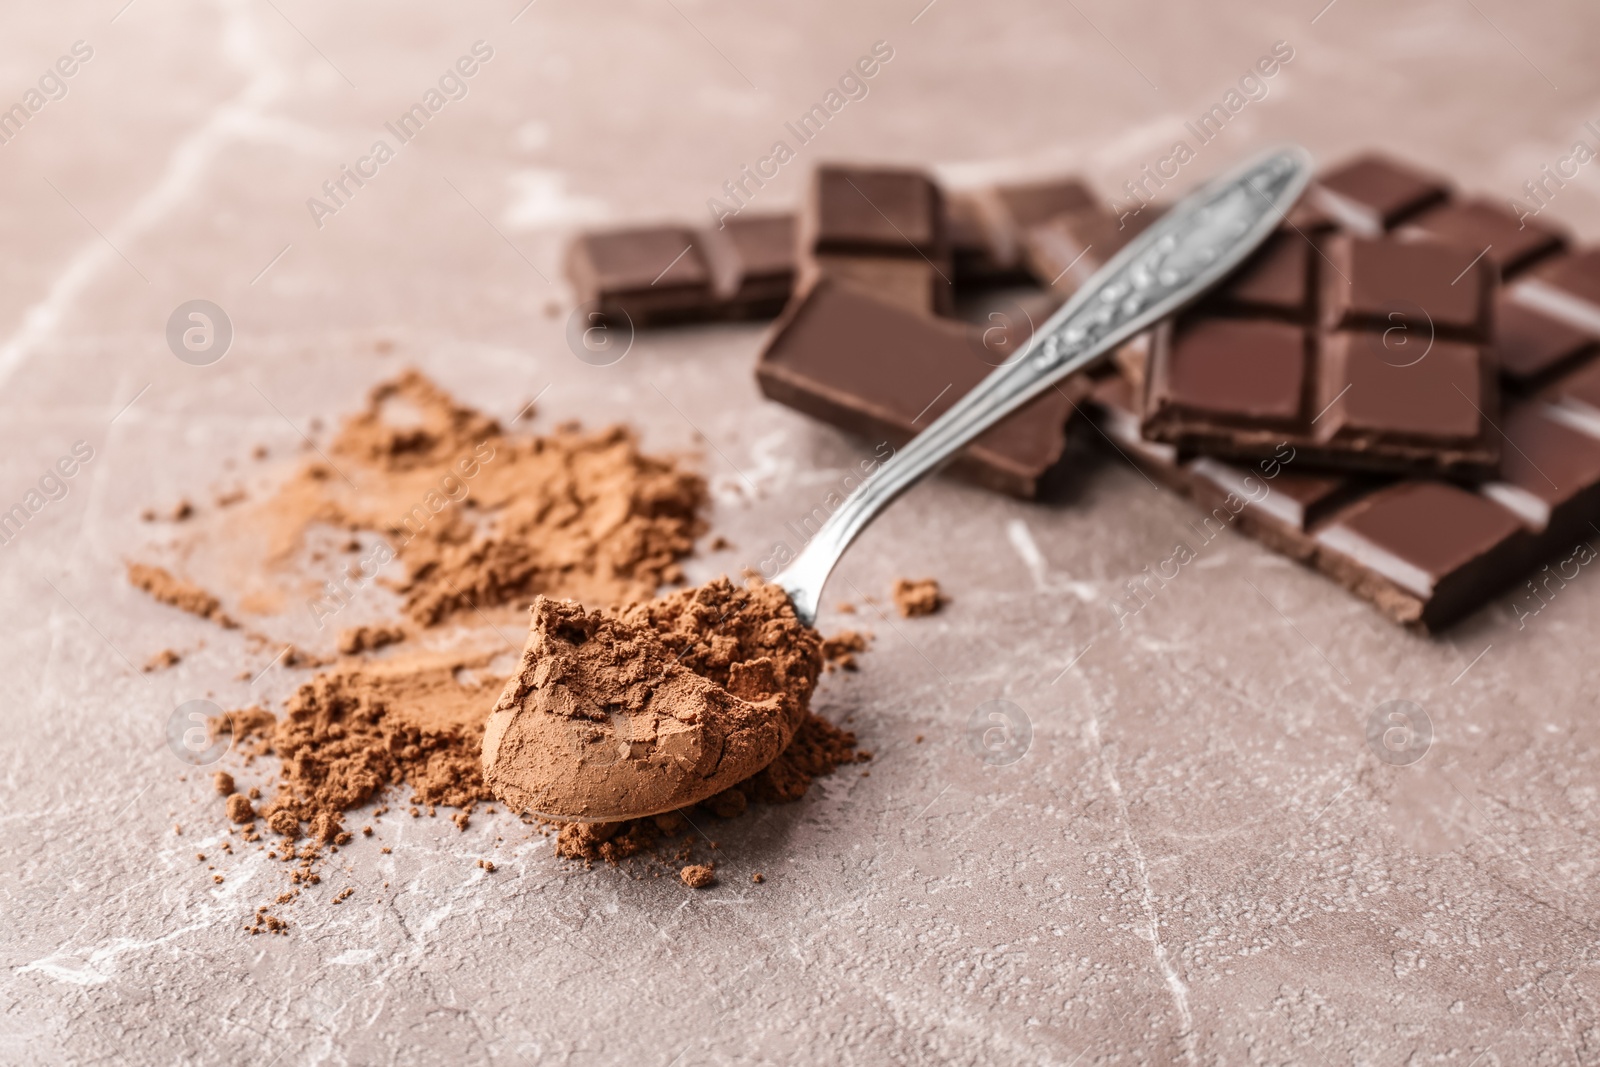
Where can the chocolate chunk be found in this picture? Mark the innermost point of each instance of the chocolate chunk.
(884, 373)
(1567, 289)
(649, 274)
(1550, 476)
(1435, 289)
(1481, 226)
(882, 230)
(1529, 345)
(1370, 194)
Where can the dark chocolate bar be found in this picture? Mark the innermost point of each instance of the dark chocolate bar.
(661, 274)
(1424, 552)
(1359, 352)
(882, 372)
(881, 229)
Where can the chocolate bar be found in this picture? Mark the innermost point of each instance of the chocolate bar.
(662, 274)
(987, 225)
(881, 229)
(1425, 552)
(1064, 251)
(882, 372)
(1358, 352)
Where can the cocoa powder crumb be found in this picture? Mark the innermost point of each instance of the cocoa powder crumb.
(758, 878)
(840, 649)
(698, 876)
(223, 782)
(239, 809)
(919, 596)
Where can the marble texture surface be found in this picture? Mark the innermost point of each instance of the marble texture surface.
(1199, 858)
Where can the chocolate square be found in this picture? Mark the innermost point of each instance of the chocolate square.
(1551, 472)
(1440, 543)
(1567, 289)
(1276, 281)
(1251, 373)
(649, 274)
(1373, 192)
(1528, 344)
(876, 211)
(1375, 395)
(1483, 226)
(1431, 289)
(752, 259)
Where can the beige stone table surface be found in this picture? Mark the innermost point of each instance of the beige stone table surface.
(1199, 859)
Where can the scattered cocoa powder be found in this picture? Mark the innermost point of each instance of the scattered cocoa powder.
(917, 596)
(185, 596)
(359, 639)
(162, 660)
(480, 517)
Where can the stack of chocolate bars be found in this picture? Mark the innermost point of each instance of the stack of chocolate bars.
(1401, 388)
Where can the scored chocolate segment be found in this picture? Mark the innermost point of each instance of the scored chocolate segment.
(656, 274)
(650, 274)
(1444, 545)
(881, 229)
(884, 373)
(753, 263)
(1480, 226)
(1529, 345)
(1436, 289)
(1436, 402)
(1361, 353)
(986, 224)
(1567, 289)
(1253, 373)
(1064, 252)
(1370, 194)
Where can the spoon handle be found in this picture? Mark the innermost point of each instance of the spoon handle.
(1174, 261)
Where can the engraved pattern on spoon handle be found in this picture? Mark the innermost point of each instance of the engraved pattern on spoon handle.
(1175, 260)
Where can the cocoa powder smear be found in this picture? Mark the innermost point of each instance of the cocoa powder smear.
(624, 711)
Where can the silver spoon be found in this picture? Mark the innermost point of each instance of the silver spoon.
(1181, 255)
(1177, 259)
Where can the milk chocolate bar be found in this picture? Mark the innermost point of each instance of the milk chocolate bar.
(882, 372)
(881, 229)
(660, 274)
(1425, 552)
(1359, 352)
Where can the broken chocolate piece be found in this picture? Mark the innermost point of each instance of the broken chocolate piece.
(1370, 194)
(986, 225)
(1529, 345)
(1065, 252)
(752, 258)
(884, 373)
